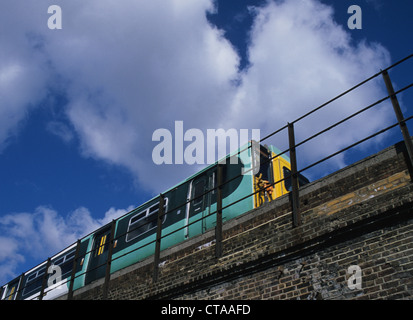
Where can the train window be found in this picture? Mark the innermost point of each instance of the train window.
(152, 216)
(145, 221)
(65, 263)
(33, 283)
(199, 189)
(32, 277)
(287, 177)
(10, 293)
(154, 208)
(136, 226)
(287, 182)
(265, 169)
(11, 290)
(138, 217)
(212, 182)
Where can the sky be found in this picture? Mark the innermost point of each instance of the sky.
(79, 104)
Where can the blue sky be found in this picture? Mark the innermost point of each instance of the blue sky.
(78, 105)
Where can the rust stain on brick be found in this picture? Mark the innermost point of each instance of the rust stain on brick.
(383, 186)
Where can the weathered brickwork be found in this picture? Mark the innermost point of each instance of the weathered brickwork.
(361, 215)
(384, 256)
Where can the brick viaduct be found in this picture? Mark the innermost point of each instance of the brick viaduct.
(361, 215)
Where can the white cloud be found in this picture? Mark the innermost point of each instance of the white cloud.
(300, 58)
(137, 67)
(61, 130)
(23, 71)
(10, 258)
(18, 93)
(43, 233)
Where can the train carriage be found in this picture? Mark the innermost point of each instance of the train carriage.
(189, 209)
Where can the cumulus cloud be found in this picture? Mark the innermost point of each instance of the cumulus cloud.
(300, 58)
(10, 258)
(18, 93)
(137, 67)
(61, 130)
(43, 233)
(23, 71)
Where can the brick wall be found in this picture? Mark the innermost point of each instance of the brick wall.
(361, 215)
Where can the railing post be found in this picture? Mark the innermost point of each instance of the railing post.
(218, 228)
(399, 116)
(158, 237)
(294, 177)
(72, 277)
(109, 261)
(45, 276)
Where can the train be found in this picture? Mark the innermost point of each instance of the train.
(252, 175)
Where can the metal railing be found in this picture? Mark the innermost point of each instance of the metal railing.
(294, 195)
